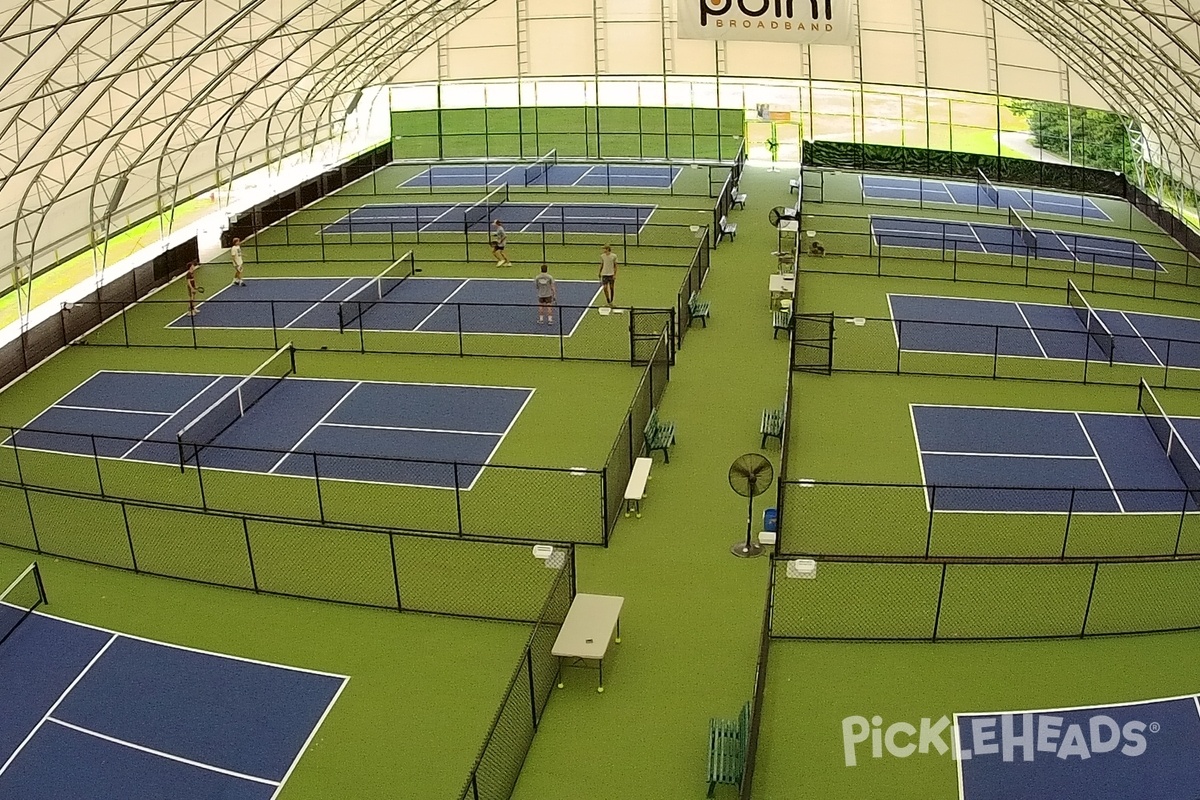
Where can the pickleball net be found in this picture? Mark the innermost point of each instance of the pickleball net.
(988, 189)
(1096, 328)
(233, 405)
(375, 290)
(20, 600)
(1021, 229)
(482, 212)
(1178, 453)
(539, 171)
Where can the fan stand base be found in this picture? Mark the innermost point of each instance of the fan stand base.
(742, 550)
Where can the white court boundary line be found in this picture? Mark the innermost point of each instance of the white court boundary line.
(402, 428)
(292, 450)
(317, 304)
(112, 638)
(441, 305)
(1032, 332)
(161, 753)
(149, 436)
(114, 635)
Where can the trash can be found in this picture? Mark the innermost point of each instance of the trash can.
(770, 520)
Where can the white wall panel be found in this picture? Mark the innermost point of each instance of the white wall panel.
(561, 47)
(886, 15)
(635, 48)
(779, 59)
(960, 16)
(957, 61)
(830, 63)
(889, 58)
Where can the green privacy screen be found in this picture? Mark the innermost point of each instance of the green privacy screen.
(576, 132)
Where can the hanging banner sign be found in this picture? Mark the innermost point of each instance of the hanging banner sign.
(798, 21)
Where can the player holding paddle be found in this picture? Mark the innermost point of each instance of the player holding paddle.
(192, 289)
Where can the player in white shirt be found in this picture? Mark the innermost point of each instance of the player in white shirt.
(235, 254)
(547, 295)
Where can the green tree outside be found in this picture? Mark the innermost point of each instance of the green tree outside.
(1087, 136)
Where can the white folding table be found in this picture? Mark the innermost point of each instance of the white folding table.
(587, 632)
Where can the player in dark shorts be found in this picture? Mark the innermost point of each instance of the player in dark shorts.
(608, 273)
(547, 295)
(499, 241)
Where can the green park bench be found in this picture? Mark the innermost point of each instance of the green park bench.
(698, 309)
(727, 740)
(772, 425)
(659, 435)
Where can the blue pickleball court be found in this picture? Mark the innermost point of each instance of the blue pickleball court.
(91, 713)
(582, 175)
(410, 434)
(501, 306)
(1019, 460)
(1146, 750)
(1039, 330)
(1008, 241)
(611, 219)
(965, 193)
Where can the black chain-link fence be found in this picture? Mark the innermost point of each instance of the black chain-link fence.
(333, 235)
(970, 349)
(491, 500)
(576, 332)
(914, 520)
(692, 282)
(379, 569)
(631, 440)
(496, 769)
(746, 790)
(942, 599)
(937, 250)
(923, 161)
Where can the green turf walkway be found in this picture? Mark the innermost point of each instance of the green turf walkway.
(692, 611)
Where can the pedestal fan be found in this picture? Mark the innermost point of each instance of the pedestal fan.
(750, 475)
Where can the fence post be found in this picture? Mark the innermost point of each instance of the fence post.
(604, 520)
(1067, 532)
(899, 348)
(274, 328)
(1087, 611)
(458, 500)
(250, 553)
(96, 460)
(1166, 365)
(320, 499)
(199, 476)
(996, 352)
(129, 537)
(125, 324)
(937, 617)
(362, 332)
(458, 312)
(929, 529)
(395, 570)
(1182, 520)
(532, 691)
